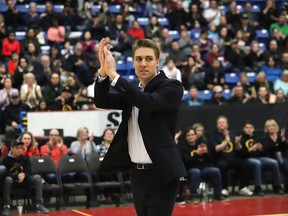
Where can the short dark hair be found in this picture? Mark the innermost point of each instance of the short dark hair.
(148, 43)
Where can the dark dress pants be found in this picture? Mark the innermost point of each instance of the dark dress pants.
(151, 194)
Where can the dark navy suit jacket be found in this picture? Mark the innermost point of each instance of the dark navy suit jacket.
(158, 106)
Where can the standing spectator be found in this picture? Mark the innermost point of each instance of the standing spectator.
(136, 32)
(30, 92)
(10, 45)
(84, 145)
(271, 69)
(30, 145)
(171, 71)
(55, 147)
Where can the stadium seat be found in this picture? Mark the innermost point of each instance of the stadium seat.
(227, 94)
(45, 50)
(122, 67)
(262, 46)
(58, 8)
(40, 8)
(251, 77)
(114, 9)
(3, 8)
(20, 35)
(231, 78)
(95, 9)
(255, 9)
(262, 35)
(163, 21)
(195, 34)
(22, 8)
(130, 77)
(174, 34)
(185, 95)
(143, 21)
(75, 34)
(204, 94)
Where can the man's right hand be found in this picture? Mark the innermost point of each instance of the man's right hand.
(101, 56)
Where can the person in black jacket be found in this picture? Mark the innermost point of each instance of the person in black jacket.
(197, 161)
(18, 172)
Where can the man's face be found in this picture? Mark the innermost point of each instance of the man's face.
(249, 129)
(145, 63)
(222, 124)
(16, 150)
(239, 91)
(54, 136)
(191, 136)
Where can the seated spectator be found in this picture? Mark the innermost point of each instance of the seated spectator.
(165, 40)
(192, 74)
(65, 101)
(215, 75)
(255, 57)
(127, 13)
(271, 69)
(280, 39)
(233, 15)
(105, 16)
(32, 55)
(53, 89)
(247, 87)
(282, 83)
(269, 14)
(136, 32)
(73, 83)
(215, 54)
(153, 29)
(56, 33)
(30, 145)
(13, 63)
(246, 28)
(284, 61)
(10, 44)
(251, 152)
(213, 34)
(12, 115)
(55, 147)
(224, 40)
(3, 153)
(275, 146)
(177, 55)
(87, 43)
(42, 106)
(192, 100)
(84, 145)
(212, 14)
(19, 174)
(195, 16)
(30, 38)
(85, 14)
(108, 136)
(177, 17)
(67, 50)
(253, 17)
(199, 165)
(30, 92)
(204, 43)
(217, 96)
(3, 74)
(12, 18)
(6, 91)
(47, 17)
(31, 19)
(44, 70)
(54, 54)
(281, 25)
(96, 28)
(118, 26)
(171, 71)
(239, 96)
(23, 68)
(274, 50)
(185, 42)
(153, 8)
(241, 40)
(280, 97)
(261, 80)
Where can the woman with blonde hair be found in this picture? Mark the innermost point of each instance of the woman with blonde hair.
(83, 146)
(30, 146)
(30, 92)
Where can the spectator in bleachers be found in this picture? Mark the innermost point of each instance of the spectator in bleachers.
(165, 40)
(153, 29)
(32, 55)
(212, 14)
(30, 91)
(269, 14)
(67, 50)
(84, 145)
(52, 89)
(10, 45)
(73, 83)
(275, 146)
(68, 17)
(215, 53)
(102, 148)
(197, 55)
(279, 37)
(223, 150)
(84, 13)
(30, 38)
(65, 101)
(177, 17)
(230, 33)
(192, 74)
(274, 50)
(55, 147)
(30, 145)
(42, 106)
(236, 57)
(136, 32)
(2, 31)
(87, 43)
(247, 87)
(253, 18)
(217, 97)
(54, 54)
(195, 16)
(56, 33)
(281, 25)
(178, 56)
(6, 91)
(192, 99)
(204, 43)
(215, 75)
(3, 152)
(153, 8)
(198, 161)
(47, 17)
(242, 40)
(96, 28)
(280, 97)
(3, 74)
(185, 42)
(12, 115)
(32, 18)
(264, 97)
(249, 30)
(233, 15)
(171, 71)
(224, 40)
(282, 83)
(23, 68)
(239, 96)
(118, 26)
(13, 63)
(284, 61)
(44, 70)
(261, 80)
(255, 57)
(127, 15)
(271, 69)
(163, 56)
(105, 16)
(213, 34)
(12, 18)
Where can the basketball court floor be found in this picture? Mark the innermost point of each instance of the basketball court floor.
(264, 206)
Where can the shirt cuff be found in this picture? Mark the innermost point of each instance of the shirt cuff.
(114, 81)
(100, 79)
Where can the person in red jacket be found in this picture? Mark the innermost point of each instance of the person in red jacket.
(30, 147)
(10, 44)
(136, 32)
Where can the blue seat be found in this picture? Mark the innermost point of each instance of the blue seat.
(195, 34)
(185, 95)
(174, 34)
(40, 8)
(143, 21)
(231, 78)
(129, 77)
(262, 35)
(58, 8)
(262, 46)
(20, 35)
(114, 9)
(255, 9)
(22, 8)
(251, 76)
(227, 94)
(95, 9)
(163, 21)
(122, 68)
(45, 50)
(3, 8)
(204, 94)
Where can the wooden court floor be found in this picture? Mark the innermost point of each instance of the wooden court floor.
(269, 206)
